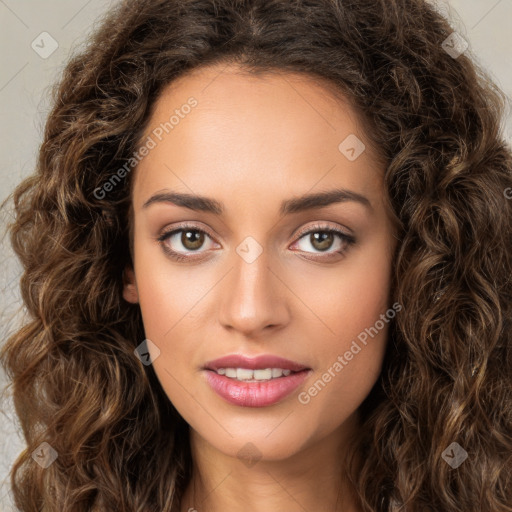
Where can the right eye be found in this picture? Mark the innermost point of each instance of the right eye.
(189, 237)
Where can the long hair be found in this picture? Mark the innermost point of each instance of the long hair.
(434, 118)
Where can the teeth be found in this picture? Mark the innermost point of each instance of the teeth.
(247, 375)
(243, 374)
(262, 374)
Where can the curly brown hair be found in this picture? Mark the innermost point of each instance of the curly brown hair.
(435, 121)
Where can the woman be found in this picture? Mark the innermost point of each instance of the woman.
(267, 262)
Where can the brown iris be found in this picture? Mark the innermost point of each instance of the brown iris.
(193, 237)
(321, 240)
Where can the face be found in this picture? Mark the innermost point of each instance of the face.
(255, 270)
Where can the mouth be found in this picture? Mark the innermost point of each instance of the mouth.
(256, 382)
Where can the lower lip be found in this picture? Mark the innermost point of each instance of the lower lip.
(255, 394)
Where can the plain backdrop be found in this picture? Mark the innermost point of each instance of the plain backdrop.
(38, 37)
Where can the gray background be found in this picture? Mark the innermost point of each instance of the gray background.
(25, 81)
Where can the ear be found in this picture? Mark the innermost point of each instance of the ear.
(130, 293)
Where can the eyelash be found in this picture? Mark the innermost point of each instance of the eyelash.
(348, 240)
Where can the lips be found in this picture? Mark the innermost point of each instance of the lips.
(255, 363)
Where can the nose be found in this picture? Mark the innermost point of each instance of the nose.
(253, 298)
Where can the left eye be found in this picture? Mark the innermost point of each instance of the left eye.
(323, 239)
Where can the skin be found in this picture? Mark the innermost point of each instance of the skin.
(250, 143)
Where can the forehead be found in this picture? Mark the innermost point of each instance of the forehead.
(272, 133)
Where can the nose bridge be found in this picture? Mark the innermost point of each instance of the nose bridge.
(252, 300)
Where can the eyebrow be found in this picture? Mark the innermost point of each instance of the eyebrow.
(289, 206)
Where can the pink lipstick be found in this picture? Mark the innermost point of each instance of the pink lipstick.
(254, 382)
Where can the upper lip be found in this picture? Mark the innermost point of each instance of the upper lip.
(254, 363)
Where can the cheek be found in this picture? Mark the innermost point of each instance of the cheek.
(167, 293)
(171, 300)
(350, 360)
(158, 304)
(346, 301)
(339, 388)
(167, 309)
(353, 306)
